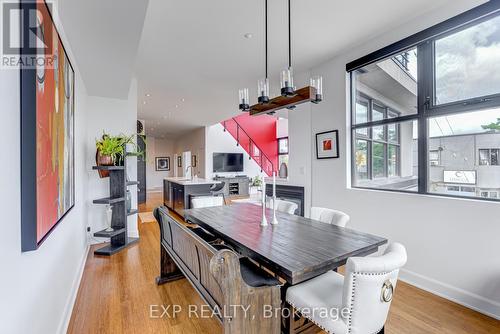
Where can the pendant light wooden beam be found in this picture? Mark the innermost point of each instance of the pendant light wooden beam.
(303, 95)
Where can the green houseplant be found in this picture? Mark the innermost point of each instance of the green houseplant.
(110, 150)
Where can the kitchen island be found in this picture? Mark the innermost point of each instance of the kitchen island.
(178, 191)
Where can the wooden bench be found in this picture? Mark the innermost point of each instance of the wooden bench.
(228, 283)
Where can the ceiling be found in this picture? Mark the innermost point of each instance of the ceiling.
(104, 39)
(191, 56)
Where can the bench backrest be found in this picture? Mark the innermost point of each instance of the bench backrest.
(216, 275)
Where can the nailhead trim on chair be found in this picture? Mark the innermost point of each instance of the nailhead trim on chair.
(349, 320)
(351, 309)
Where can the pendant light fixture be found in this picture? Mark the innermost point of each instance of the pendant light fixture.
(290, 97)
(287, 88)
(244, 100)
(263, 84)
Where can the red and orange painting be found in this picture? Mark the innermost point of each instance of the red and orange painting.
(54, 130)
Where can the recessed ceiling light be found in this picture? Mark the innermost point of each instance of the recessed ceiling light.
(183, 99)
(148, 95)
(177, 106)
(144, 102)
(248, 35)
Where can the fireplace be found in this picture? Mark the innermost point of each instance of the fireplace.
(288, 193)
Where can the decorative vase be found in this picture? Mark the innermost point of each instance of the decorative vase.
(283, 171)
(109, 217)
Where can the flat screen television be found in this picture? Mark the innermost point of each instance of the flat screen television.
(228, 162)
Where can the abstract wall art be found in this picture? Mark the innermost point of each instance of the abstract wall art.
(47, 134)
(327, 144)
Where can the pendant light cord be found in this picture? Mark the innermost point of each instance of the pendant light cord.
(266, 33)
(289, 36)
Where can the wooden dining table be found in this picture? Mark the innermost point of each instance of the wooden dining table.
(296, 249)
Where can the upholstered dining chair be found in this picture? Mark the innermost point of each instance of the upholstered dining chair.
(365, 291)
(283, 206)
(330, 216)
(206, 201)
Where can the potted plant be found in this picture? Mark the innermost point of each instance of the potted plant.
(110, 150)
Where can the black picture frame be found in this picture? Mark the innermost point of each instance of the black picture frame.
(28, 118)
(162, 164)
(179, 161)
(334, 135)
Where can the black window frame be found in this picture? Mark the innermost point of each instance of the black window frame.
(369, 102)
(424, 41)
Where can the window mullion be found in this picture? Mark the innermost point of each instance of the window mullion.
(424, 95)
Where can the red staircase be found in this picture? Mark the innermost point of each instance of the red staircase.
(267, 162)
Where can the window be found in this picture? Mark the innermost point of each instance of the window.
(434, 157)
(489, 157)
(426, 116)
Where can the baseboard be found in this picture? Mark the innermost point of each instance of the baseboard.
(470, 300)
(68, 310)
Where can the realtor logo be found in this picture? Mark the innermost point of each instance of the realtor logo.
(26, 33)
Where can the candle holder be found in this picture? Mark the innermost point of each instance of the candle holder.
(275, 220)
(263, 221)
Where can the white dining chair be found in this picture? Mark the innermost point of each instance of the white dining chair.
(283, 206)
(365, 291)
(206, 201)
(330, 216)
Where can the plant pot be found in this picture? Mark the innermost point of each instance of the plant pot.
(103, 160)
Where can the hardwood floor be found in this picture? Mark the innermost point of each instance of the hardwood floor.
(116, 294)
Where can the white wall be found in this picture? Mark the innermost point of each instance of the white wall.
(39, 287)
(158, 147)
(218, 141)
(193, 141)
(114, 117)
(452, 244)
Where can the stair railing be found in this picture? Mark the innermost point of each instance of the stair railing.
(263, 158)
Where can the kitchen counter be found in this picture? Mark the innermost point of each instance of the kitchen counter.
(190, 182)
(178, 192)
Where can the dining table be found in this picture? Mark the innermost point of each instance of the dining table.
(296, 249)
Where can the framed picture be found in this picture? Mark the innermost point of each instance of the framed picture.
(179, 161)
(47, 133)
(193, 161)
(162, 163)
(327, 144)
